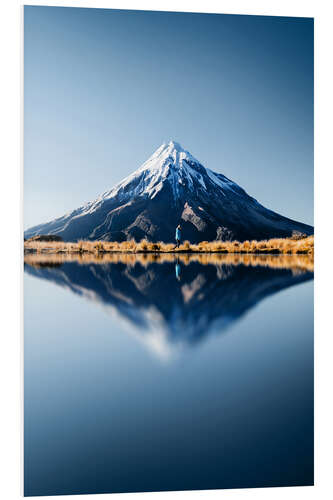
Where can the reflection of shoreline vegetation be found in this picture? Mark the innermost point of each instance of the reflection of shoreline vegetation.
(272, 246)
(296, 262)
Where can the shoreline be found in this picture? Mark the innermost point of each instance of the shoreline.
(297, 255)
(274, 246)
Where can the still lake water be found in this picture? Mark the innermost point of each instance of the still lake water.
(167, 376)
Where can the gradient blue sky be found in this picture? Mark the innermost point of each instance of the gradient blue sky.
(104, 88)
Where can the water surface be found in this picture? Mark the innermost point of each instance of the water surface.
(167, 374)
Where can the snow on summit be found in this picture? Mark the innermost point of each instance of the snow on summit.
(170, 161)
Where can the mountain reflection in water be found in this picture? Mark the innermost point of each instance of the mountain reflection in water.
(173, 302)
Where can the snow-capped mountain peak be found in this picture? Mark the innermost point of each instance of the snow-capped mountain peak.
(171, 153)
(172, 186)
(170, 161)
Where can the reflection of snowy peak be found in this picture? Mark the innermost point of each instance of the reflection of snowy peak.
(169, 310)
(173, 183)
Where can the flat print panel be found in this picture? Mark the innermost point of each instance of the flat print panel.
(169, 251)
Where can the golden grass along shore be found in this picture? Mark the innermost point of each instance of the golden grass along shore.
(272, 246)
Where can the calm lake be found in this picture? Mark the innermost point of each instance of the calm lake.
(167, 374)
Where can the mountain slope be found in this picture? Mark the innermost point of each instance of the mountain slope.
(172, 187)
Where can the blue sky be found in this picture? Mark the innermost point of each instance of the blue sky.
(104, 88)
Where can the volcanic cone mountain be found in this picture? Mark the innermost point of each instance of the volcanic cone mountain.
(172, 187)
